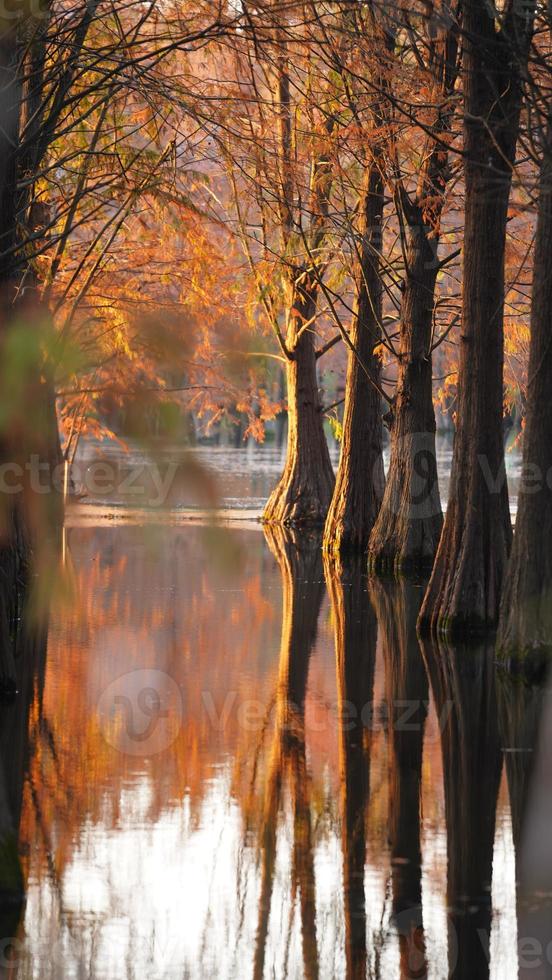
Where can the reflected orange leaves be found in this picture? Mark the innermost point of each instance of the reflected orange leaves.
(270, 667)
(217, 637)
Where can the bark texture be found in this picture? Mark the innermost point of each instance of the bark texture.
(355, 654)
(304, 492)
(464, 591)
(526, 608)
(360, 477)
(10, 113)
(407, 532)
(29, 428)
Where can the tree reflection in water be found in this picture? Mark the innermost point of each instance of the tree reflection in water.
(355, 630)
(523, 711)
(332, 832)
(300, 563)
(463, 685)
(23, 642)
(398, 605)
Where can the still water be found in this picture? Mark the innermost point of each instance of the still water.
(234, 479)
(227, 760)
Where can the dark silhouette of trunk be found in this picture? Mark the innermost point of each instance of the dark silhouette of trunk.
(407, 531)
(303, 586)
(520, 709)
(355, 652)
(463, 686)
(529, 780)
(526, 609)
(10, 112)
(360, 477)
(30, 429)
(408, 528)
(303, 495)
(464, 591)
(520, 712)
(23, 648)
(406, 687)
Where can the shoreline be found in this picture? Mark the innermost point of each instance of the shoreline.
(79, 514)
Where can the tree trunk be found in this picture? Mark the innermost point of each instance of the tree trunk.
(526, 609)
(30, 427)
(463, 688)
(360, 477)
(355, 653)
(303, 495)
(10, 111)
(407, 531)
(464, 591)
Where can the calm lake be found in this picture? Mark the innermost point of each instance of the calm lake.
(227, 760)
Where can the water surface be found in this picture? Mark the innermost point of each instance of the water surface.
(226, 760)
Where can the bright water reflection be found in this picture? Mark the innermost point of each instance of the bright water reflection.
(240, 479)
(232, 761)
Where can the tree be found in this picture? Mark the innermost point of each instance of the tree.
(525, 612)
(360, 476)
(409, 524)
(278, 156)
(63, 70)
(464, 591)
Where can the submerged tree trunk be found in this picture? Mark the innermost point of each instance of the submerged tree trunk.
(303, 494)
(407, 531)
(406, 686)
(360, 477)
(464, 592)
(463, 686)
(526, 609)
(410, 521)
(355, 654)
